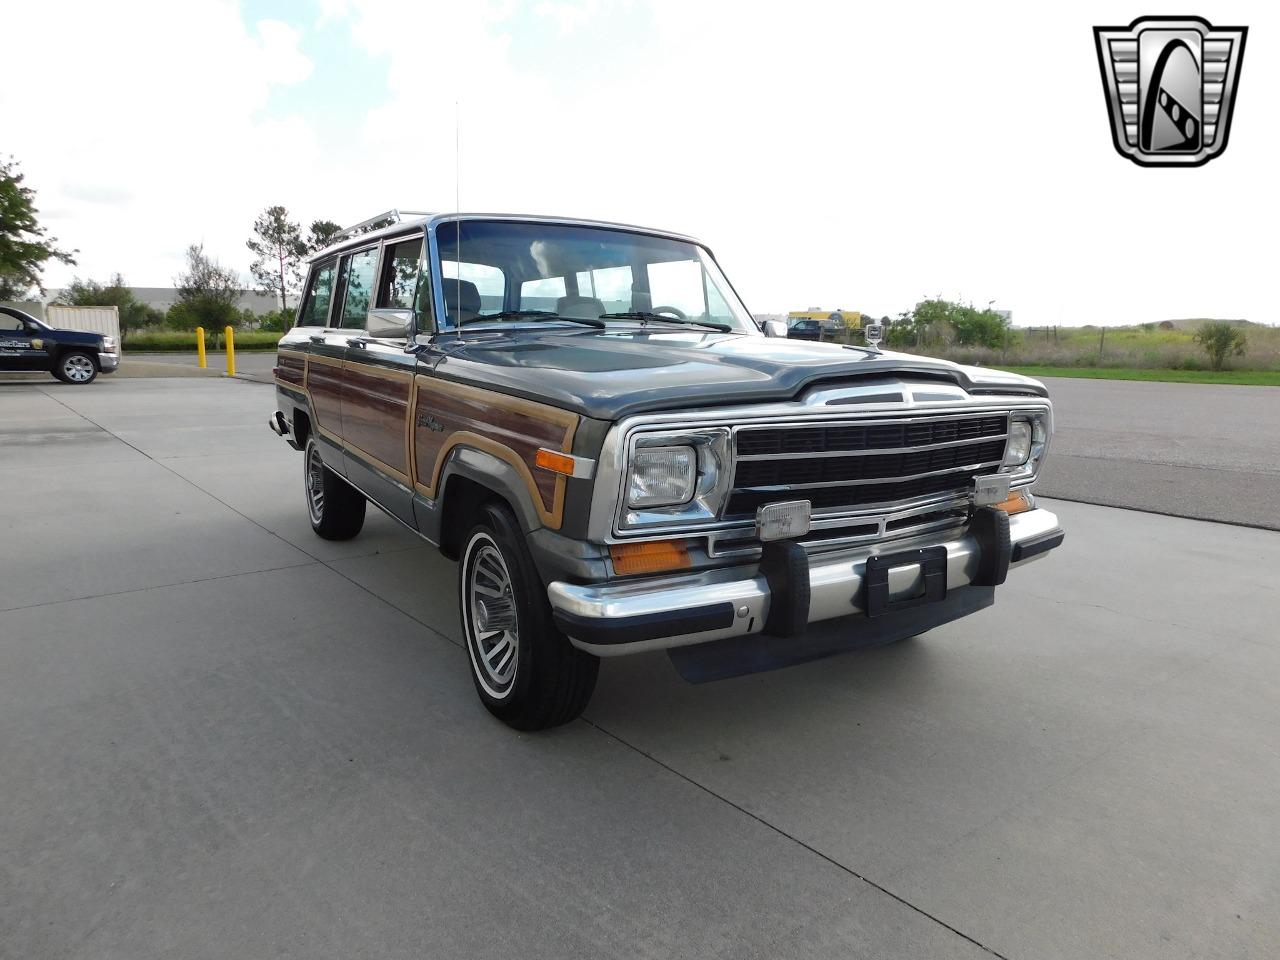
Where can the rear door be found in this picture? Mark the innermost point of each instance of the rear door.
(325, 347)
(379, 374)
(21, 346)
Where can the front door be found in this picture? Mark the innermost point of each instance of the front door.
(21, 346)
(378, 374)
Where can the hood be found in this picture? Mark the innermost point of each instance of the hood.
(611, 374)
(79, 338)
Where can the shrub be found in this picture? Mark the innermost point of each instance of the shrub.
(184, 341)
(1220, 338)
(202, 312)
(278, 321)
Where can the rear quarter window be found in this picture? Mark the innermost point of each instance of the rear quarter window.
(319, 296)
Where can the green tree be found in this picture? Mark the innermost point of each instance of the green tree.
(939, 322)
(208, 294)
(278, 248)
(321, 234)
(981, 328)
(113, 293)
(1220, 339)
(24, 245)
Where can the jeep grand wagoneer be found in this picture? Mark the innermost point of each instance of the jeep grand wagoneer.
(585, 416)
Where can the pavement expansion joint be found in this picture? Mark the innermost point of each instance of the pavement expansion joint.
(844, 868)
(313, 558)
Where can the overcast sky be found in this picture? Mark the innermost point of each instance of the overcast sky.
(831, 154)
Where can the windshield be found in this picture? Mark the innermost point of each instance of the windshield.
(509, 272)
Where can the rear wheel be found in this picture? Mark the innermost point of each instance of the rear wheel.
(336, 507)
(75, 366)
(526, 672)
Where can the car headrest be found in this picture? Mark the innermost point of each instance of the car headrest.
(583, 308)
(460, 295)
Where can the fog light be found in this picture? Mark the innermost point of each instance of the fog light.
(780, 521)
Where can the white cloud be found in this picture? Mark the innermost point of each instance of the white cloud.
(846, 155)
(143, 131)
(569, 14)
(281, 60)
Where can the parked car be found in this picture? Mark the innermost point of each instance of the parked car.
(641, 468)
(805, 330)
(73, 356)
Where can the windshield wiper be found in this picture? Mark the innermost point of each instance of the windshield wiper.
(646, 316)
(531, 315)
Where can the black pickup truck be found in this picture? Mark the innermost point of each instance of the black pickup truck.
(73, 356)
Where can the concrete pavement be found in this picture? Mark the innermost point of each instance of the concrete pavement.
(1191, 450)
(222, 736)
(250, 364)
(1187, 449)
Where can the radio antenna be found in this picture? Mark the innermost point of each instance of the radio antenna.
(457, 224)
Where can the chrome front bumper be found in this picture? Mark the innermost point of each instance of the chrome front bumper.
(108, 362)
(613, 619)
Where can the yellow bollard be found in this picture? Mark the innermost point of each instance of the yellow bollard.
(200, 347)
(231, 352)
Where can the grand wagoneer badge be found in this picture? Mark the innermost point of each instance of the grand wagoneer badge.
(1170, 84)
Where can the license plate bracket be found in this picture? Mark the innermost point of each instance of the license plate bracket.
(933, 566)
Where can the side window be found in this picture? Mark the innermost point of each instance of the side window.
(473, 288)
(541, 294)
(315, 308)
(360, 272)
(400, 275)
(11, 324)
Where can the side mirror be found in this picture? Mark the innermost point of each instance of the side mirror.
(775, 328)
(389, 324)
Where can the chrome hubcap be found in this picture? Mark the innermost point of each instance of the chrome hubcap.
(493, 630)
(78, 369)
(315, 484)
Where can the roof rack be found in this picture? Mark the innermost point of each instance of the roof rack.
(394, 215)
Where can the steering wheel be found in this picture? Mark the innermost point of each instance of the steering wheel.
(680, 314)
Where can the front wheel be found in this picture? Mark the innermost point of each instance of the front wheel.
(526, 672)
(336, 508)
(75, 367)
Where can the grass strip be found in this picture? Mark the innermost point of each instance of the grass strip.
(1248, 378)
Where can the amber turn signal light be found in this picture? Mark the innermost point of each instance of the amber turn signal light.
(560, 463)
(1016, 502)
(653, 557)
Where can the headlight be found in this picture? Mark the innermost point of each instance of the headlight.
(662, 476)
(674, 478)
(1028, 440)
(109, 344)
(1017, 450)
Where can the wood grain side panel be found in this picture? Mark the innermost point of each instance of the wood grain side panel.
(291, 368)
(375, 407)
(324, 383)
(449, 414)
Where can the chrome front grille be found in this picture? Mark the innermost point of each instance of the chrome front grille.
(864, 464)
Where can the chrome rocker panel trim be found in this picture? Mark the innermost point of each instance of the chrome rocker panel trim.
(703, 599)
